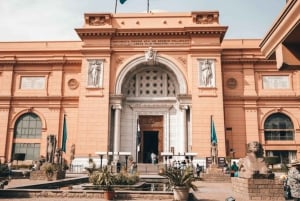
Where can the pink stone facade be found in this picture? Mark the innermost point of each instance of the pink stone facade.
(108, 81)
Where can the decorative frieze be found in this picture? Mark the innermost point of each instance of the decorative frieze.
(205, 17)
(97, 19)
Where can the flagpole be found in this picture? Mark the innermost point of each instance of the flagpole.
(211, 120)
(116, 6)
(147, 6)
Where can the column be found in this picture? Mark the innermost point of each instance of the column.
(117, 128)
(184, 137)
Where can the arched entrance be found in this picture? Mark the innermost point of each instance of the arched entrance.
(152, 94)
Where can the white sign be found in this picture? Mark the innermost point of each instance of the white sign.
(276, 82)
(32, 82)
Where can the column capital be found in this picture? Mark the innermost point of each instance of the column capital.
(117, 107)
(184, 106)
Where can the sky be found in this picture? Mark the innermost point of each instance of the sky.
(55, 20)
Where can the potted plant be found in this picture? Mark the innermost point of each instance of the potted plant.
(181, 181)
(105, 180)
(49, 170)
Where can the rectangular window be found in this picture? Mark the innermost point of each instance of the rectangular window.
(30, 82)
(276, 82)
(31, 150)
(279, 134)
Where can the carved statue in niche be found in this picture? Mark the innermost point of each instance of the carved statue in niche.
(94, 72)
(253, 165)
(51, 144)
(150, 56)
(207, 73)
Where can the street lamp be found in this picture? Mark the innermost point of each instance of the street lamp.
(101, 154)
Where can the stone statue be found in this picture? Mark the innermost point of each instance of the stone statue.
(207, 73)
(51, 144)
(253, 165)
(94, 72)
(150, 56)
(72, 154)
(58, 156)
(214, 153)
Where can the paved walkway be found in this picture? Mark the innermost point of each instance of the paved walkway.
(206, 191)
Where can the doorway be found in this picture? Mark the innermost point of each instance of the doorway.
(151, 128)
(150, 142)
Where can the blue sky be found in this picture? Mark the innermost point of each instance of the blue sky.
(38, 20)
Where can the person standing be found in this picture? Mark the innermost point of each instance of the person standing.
(118, 167)
(294, 179)
(153, 158)
(234, 169)
(198, 170)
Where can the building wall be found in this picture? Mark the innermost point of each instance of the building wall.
(237, 102)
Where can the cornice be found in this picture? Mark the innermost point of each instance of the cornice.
(42, 98)
(286, 22)
(248, 61)
(186, 31)
(37, 61)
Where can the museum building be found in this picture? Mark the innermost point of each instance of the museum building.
(154, 82)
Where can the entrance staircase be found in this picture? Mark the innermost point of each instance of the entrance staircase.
(148, 168)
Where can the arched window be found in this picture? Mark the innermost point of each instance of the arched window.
(28, 126)
(278, 126)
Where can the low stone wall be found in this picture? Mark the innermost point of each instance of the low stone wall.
(41, 175)
(257, 189)
(121, 195)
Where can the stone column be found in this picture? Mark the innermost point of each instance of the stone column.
(117, 128)
(184, 108)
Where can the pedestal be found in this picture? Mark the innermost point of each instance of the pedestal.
(215, 174)
(256, 189)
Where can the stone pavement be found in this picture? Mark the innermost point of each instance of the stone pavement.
(207, 191)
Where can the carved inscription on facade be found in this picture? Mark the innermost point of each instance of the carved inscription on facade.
(32, 82)
(276, 82)
(152, 42)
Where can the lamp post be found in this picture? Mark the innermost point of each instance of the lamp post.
(126, 154)
(101, 154)
(166, 155)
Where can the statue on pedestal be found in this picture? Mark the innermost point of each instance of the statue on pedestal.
(253, 165)
(214, 153)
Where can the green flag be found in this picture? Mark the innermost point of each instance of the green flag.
(213, 135)
(64, 137)
(122, 1)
